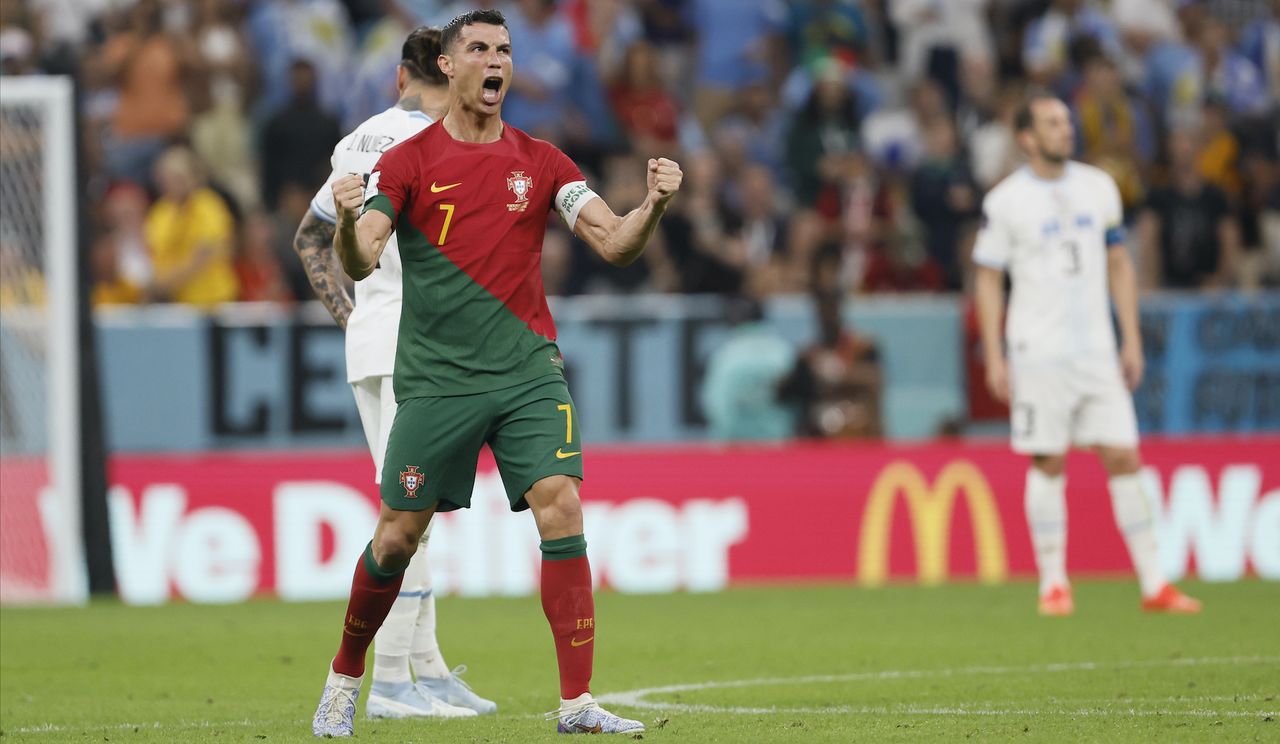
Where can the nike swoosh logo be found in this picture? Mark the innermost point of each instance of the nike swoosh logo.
(574, 641)
(437, 189)
(561, 454)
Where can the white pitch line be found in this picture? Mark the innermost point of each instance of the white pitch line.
(638, 698)
(956, 710)
(635, 698)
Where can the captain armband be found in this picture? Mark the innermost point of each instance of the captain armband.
(1115, 235)
(570, 200)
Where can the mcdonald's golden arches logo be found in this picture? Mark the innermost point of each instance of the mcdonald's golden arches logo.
(930, 510)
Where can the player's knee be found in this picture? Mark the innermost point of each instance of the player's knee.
(394, 548)
(1120, 461)
(1050, 465)
(395, 543)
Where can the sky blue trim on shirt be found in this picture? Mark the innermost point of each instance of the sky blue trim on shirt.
(318, 212)
(1115, 235)
(1065, 168)
(420, 115)
(412, 595)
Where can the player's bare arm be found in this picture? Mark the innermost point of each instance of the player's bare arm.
(314, 245)
(621, 240)
(1123, 282)
(359, 239)
(988, 293)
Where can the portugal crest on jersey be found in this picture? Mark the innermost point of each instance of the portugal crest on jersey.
(411, 479)
(520, 185)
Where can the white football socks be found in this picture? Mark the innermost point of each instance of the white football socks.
(1136, 521)
(1046, 506)
(425, 656)
(391, 644)
(407, 639)
(394, 641)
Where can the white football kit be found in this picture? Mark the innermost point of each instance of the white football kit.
(375, 319)
(1065, 377)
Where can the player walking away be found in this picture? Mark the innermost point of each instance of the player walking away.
(408, 637)
(1055, 226)
(477, 362)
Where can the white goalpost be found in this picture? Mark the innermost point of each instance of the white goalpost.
(41, 545)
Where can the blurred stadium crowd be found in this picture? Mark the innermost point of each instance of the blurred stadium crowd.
(841, 143)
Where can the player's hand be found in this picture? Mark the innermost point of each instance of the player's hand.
(998, 379)
(1132, 364)
(348, 197)
(664, 179)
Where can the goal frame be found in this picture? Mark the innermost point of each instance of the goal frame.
(60, 505)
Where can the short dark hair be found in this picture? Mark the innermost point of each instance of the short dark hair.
(453, 29)
(1024, 118)
(420, 55)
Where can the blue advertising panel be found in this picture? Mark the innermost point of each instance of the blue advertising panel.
(263, 377)
(1213, 364)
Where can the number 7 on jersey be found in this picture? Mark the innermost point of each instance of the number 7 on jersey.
(448, 217)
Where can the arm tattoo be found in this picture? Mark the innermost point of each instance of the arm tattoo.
(314, 245)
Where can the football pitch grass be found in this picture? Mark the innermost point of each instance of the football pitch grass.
(813, 663)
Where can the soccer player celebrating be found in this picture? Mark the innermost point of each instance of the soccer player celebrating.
(408, 637)
(468, 201)
(1055, 226)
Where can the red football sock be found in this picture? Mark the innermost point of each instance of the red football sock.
(570, 609)
(373, 591)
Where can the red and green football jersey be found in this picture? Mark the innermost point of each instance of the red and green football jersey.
(470, 219)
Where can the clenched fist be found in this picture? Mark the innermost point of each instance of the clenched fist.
(348, 197)
(664, 179)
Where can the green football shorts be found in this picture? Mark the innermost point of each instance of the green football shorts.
(434, 444)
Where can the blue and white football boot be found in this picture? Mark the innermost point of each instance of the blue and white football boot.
(454, 691)
(405, 700)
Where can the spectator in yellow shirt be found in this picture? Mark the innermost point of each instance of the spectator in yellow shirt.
(110, 287)
(189, 233)
(1219, 161)
(120, 260)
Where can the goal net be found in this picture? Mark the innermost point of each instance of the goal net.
(41, 549)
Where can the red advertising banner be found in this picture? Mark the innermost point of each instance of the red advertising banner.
(26, 561)
(223, 527)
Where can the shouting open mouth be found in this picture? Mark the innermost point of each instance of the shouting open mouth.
(491, 91)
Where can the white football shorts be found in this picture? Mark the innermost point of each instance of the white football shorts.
(1058, 403)
(376, 402)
